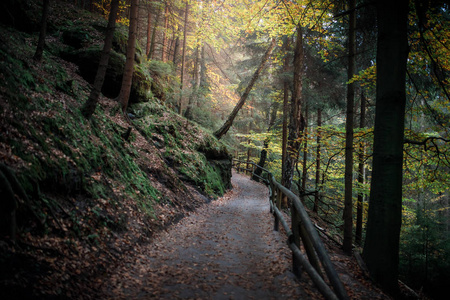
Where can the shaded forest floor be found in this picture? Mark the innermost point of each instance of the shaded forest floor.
(225, 250)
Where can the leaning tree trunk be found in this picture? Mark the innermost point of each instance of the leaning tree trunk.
(296, 123)
(348, 195)
(90, 105)
(385, 203)
(127, 79)
(41, 43)
(229, 122)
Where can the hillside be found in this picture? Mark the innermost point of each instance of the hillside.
(92, 192)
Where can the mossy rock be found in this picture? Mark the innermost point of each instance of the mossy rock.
(87, 61)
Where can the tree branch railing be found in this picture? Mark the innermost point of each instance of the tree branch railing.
(301, 229)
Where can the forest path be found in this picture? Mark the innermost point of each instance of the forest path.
(225, 250)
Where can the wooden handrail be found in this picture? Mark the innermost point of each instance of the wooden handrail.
(276, 191)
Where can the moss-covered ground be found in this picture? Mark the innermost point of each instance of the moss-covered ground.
(93, 194)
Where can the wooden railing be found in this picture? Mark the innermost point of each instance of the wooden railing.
(302, 229)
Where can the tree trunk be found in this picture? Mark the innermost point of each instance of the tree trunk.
(229, 122)
(361, 176)
(183, 58)
(90, 105)
(127, 79)
(317, 194)
(194, 94)
(296, 124)
(287, 58)
(149, 29)
(43, 32)
(348, 195)
(305, 153)
(263, 156)
(153, 42)
(175, 54)
(166, 24)
(385, 203)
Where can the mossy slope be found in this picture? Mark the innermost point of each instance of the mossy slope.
(93, 194)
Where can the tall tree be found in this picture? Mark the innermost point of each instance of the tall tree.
(317, 194)
(229, 122)
(90, 105)
(286, 61)
(348, 195)
(153, 40)
(385, 203)
(43, 31)
(166, 27)
(149, 28)
(361, 175)
(127, 79)
(183, 57)
(296, 123)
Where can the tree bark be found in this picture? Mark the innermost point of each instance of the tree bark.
(287, 58)
(43, 32)
(127, 79)
(183, 58)
(348, 195)
(194, 94)
(317, 194)
(149, 29)
(153, 42)
(166, 24)
(305, 153)
(385, 203)
(90, 105)
(296, 124)
(229, 122)
(175, 54)
(361, 175)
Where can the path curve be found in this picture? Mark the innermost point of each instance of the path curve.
(225, 250)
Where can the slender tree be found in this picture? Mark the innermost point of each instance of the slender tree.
(305, 151)
(166, 27)
(318, 141)
(296, 124)
(153, 40)
(183, 58)
(127, 79)
(361, 175)
(348, 197)
(90, 105)
(381, 247)
(149, 28)
(286, 61)
(229, 122)
(43, 31)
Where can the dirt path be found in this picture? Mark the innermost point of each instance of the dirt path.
(225, 250)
